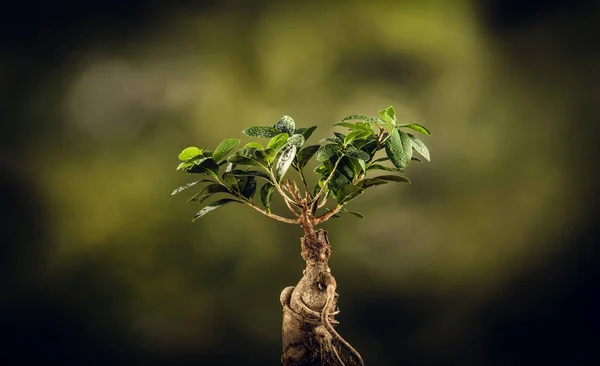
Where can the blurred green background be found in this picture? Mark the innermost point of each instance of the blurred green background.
(488, 258)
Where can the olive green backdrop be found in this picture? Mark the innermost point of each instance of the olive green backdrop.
(486, 259)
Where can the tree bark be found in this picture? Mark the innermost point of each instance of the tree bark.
(309, 310)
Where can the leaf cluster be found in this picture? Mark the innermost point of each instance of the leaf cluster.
(346, 160)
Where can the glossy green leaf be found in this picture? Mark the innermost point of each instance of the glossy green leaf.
(188, 185)
(208, 191)
(230, 180)
(417, 127)
(357, 154)
(354, 116)
(384, 158)
(327, 151)
(340, 136)
(247, 173)
(388, 115)
(285, 124)
(249, 156)
(394, 178)
(306, 132)
(278, 141)
(371, 182)
(306, 154)
(208, 167)
(266, 192)
(189, 153)
(296, 140)
(348, 193)
(399, 148)
(382, 167)
(249, 188)
(419, 146)
(321, 169)
(213, 206)
(335, 140)
(285, 160)
(224, 148)
(357, 134)
(378, 122)
(253, 145)
(261, 131)
(357, 214)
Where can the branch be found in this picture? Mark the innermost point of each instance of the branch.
(329, 178)
(327, 215)
(271, 215)
(286, 199)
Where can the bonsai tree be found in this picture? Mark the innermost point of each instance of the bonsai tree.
(347, 166)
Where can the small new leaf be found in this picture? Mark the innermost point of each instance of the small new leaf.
(357, 214)
(253, 145)
(278, 141)
(354, 116)
(285, 160)
(189, 153)
(306, 132)
(388, 115)
(261, 131)
(224, 148)
(213, 206)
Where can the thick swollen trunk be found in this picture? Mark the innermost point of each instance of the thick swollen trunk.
(309, 309)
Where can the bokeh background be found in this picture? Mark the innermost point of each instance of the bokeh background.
(488, 258)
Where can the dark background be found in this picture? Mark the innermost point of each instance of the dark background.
(488, 258)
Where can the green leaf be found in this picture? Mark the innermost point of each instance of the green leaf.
(253, 145)
(208, 191)
(357, 214)
(388, 115)
(394, 178)
(385, 158)
(416, 159)
(357, 154)
(213, 206)
(354, 116)
(265, 194)
(296, 140)
(247, 173)
(208, 167)
(327, 151)
(230, 180)
(188, 185)
(285, 160)
(285, 124)
(249, 188)
(249, 156)
(261, 131)
(278, 141)
(399, 148)
(224, 148)
(382, 167)
(306, 154)
(417, 127)
(371, 182)
(419, 146)
(335, 140)
(354, 135)
(305, 132)
(345, 124)
(189, 153)
(321, 169)
(378, 122)
(348, 193)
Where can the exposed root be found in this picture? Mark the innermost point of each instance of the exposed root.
(309, 309)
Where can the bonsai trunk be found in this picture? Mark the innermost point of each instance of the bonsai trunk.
(309, 310)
